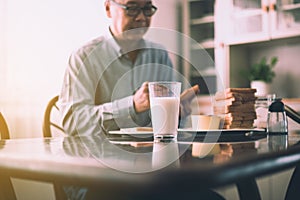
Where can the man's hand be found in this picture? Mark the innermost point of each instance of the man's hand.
(186, 98)
(141, 99)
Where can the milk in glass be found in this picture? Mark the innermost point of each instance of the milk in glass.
(164, 106)
(164, 115)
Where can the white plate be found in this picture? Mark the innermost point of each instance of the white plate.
(222, 130)
(131, 132)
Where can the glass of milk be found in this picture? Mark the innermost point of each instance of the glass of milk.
(164, 106)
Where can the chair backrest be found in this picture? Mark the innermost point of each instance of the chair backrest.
(4, 133)
(293, 191)
(51, 122)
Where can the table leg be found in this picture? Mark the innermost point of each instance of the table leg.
(6, 188)
(248, 189)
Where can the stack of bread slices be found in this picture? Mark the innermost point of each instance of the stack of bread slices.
(236, 106)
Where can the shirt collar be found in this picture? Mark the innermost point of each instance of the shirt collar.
(112, 42)
(115, 46)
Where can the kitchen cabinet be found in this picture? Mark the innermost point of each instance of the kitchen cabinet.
(247, 30)
(246, 21)
(199, 46)
(236, 34)
(286, 19)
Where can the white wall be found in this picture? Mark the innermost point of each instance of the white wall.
(2, 44)
(165, 16)
(286, 81)
(36, 39)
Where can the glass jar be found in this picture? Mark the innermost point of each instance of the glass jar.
(262, 107)
(277, 126)
(277, 121)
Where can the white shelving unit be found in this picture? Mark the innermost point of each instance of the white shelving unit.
(237, 33)
(247, 30)
(247, 21)
(198, 25)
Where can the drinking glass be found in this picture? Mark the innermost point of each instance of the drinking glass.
(164, 106)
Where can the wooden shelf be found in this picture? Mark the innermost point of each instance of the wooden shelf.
(248, 13)
(207, 44)
(290, 7)
(203, 20)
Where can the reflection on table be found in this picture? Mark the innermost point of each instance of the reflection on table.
(99, 165)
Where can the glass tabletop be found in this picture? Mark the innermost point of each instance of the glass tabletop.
(195, 160)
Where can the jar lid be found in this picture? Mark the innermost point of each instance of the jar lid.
(276, 106)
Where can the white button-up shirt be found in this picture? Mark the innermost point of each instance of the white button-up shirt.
(100, 81)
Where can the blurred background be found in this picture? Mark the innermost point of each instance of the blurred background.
(37, 37)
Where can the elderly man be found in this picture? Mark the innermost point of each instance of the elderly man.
(106, 82)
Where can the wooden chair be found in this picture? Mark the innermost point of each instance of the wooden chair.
(4, 132)
(51, 122)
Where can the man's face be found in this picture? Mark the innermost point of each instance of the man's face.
(122, 22)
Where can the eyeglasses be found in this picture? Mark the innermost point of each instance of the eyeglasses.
(134, 11)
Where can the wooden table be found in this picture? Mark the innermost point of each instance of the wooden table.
(125, 167)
